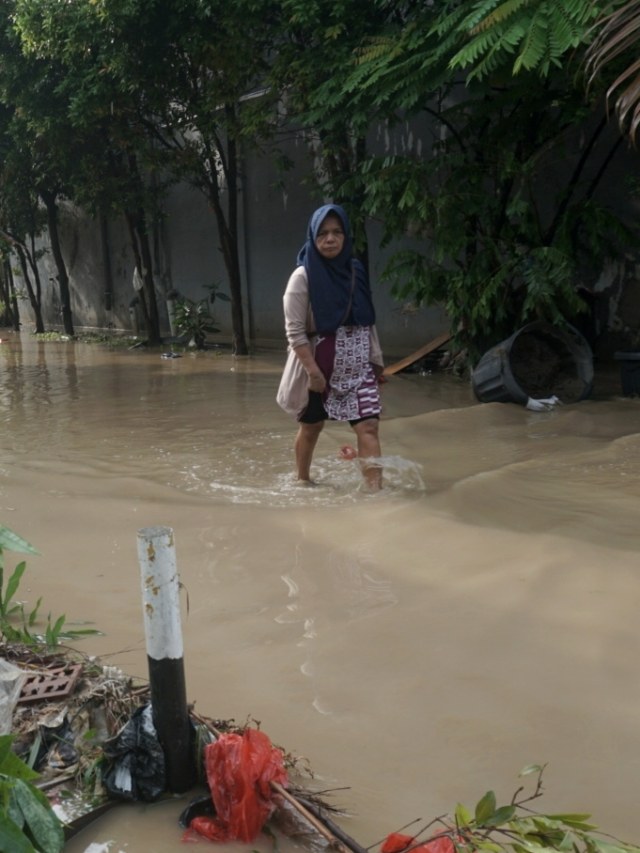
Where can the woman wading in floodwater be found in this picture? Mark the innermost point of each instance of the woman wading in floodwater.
(334, 361)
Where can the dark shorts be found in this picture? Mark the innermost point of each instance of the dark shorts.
(316, 412)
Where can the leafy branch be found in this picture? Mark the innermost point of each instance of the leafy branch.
(514, 827)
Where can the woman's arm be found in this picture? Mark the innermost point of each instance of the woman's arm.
(317, 382)
(296, 318)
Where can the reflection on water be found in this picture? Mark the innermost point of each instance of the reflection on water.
(418, 646)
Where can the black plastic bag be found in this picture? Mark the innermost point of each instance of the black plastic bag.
(136, 766)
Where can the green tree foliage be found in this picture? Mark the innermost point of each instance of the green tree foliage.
(315, 56)
(47, 154)
(201, 71)
(502, 233)
(539, 35)
(21, 220)
(177, 88)
(33, 167)
(102, 115)
(527, 35)
(498, 232)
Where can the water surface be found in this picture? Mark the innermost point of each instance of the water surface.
(418, 646)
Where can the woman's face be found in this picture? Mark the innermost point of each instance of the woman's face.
(330, 237)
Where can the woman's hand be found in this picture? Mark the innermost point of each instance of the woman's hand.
(317, 382)
(378, 372)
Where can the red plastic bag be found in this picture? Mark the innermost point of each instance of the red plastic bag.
(240, 769)
(396, 842)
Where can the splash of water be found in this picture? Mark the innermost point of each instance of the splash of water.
(336, 481)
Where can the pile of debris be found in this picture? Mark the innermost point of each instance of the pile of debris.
(62, 708)
(86, 729)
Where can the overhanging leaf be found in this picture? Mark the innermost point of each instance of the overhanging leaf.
(531, 768)
(43, 824)
(10, 541)
(5, 749)
(12, 838)
(14, 582)
(462, 815)
(502, 815)
(577, 821)
(485, 807)
(14, 767)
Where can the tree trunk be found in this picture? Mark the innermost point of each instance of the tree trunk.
(137, 223)
(49, 199)
(137, 260)
(228, 233)
(148, 282)
(33, 298)
(11, 286)
(142, 255)
(31, 255)
(7, 317)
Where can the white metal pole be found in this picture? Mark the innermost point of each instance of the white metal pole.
(163, 632)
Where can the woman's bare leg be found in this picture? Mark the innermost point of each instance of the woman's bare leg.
(304, 445)
(369, 448)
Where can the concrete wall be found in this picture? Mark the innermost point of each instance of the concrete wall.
(274, 211)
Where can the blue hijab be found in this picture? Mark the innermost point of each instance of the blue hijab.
(330, 279)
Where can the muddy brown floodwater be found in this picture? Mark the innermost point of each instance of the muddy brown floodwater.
(418, 646)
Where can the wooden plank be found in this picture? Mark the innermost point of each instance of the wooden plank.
(433, 345)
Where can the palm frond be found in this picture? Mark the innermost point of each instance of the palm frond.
(618, 34)
(615, 34)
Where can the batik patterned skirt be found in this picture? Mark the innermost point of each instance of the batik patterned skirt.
(352, 388)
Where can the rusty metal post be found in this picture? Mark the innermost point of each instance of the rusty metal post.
(161, 609)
